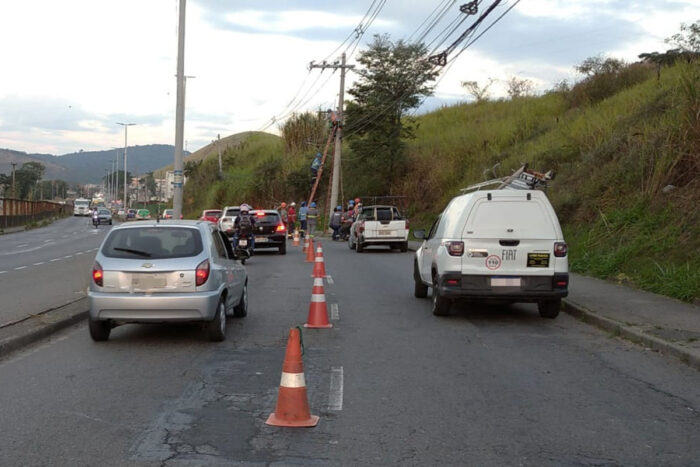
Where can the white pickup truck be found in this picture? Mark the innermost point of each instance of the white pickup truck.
(379, 225)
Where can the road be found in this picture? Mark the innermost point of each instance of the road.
(393, 385)
(45, 268)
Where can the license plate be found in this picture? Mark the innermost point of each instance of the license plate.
(538, 260)
(261, 239)
(505, 282)
(386, 232)
(243, 242)
(148, 281)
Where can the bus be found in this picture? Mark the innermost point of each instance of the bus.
(81, 207)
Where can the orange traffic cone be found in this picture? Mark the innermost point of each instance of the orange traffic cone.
(318, 312)
(319, 264)
(292, 404)
(295, 242)
(310, 251)
(306, 245)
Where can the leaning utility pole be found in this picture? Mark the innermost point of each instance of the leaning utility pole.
(178, 168)
(339, 129)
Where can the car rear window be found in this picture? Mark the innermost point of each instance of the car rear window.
(267, 218)
(212, 213)
(527, 219)
(232, 212)
(153, 243)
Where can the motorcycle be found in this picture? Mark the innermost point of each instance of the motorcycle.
(244, 249)
(95, 219)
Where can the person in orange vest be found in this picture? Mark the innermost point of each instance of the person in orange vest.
(291, 219)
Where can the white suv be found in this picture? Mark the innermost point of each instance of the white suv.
(498, 245)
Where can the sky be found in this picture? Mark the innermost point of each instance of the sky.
(71, 69)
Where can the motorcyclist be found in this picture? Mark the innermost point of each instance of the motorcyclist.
(336, 222)
(243, 226)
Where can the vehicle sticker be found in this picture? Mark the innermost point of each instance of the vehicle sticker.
(493, 262)
(538, 260)
(508, 255)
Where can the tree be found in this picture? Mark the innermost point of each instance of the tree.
(479, 93)
(520, 87)
(598, 65)
(688, 40)
(26, 178)
(394, 77)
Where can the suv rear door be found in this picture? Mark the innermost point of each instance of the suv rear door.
(509, 237)
(387, 223)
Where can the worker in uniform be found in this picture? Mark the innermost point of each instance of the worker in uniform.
(302, 218)
(291, 218)
(312, 217)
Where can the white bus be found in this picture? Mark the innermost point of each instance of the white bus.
(81, 207)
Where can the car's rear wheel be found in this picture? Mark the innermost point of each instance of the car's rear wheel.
(404, 247)
(420, 290)
(241, 309)
(549, 308)
(217, 326)
(99, 329)
(358, 246)
(441, 305)
(351, 245)
(283, 248)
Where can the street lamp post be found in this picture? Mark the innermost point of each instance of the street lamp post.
(126, 126)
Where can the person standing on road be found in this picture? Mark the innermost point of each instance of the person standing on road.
(302, 218)
(292, 218)
(284, 215)
(336, 222)
(312, 217)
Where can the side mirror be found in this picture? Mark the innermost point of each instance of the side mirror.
(419, 234)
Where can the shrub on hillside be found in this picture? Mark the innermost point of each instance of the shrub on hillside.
(605, 81)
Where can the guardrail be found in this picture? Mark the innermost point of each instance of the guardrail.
(19, 212)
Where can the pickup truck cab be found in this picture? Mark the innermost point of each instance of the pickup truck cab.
(494, 245)
(379, 225)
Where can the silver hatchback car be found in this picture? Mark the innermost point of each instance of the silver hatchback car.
(172, 271)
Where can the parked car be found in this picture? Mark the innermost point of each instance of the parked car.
(143, 214)
(131, 214)
(168, 214)
(149, 272)
(379, 225)
(211, 215)
(269, 230)
(494, 245)
(104, 216)
(227, 219)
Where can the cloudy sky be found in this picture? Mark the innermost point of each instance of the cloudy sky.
(70, 69)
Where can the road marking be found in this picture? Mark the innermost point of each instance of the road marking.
(335, 395)
(49, 240)
(88, 251)
(23, 245)
(3, 272)
(79, 253)
(68, 256)
(20, 268)
(39, 263)
(56, 259)
(335, 314)
(329, 279)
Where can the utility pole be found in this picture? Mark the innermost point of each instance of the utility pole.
(178, 166)
(14, 193)
(218, 145)
(339, 130)
(126, 127)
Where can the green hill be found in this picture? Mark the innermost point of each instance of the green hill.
(625, 147)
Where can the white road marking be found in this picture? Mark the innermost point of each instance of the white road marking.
(20, 268)
(335, 395)
(329, 279)
(23, 245)
(3, 272)
(335, 314)
(49, 240)
(68, 256)
(79, 253)
(56, 259)
(39, 263)
(88, 251)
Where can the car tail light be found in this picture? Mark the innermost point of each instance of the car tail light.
(260, 214)
(560, 249)
(455, 248)
(407, 224)
(202, 272)
(280, 228)
(97, 274)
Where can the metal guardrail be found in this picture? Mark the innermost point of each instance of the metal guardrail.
(19, 212)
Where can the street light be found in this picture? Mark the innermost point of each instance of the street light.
(126, 126)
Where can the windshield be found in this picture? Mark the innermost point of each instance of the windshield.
(232, 212)
(153, 242)
(81, 203)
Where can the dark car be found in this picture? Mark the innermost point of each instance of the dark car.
(269, 230)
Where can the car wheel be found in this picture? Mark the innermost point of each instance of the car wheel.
(110, 222)
(420, 290)
(283, 248)
(241, 309)
(99, 329)
(358, 246)
(404, 247)
(351, 245)
(549, 308)
(441, 305)
(217, 326)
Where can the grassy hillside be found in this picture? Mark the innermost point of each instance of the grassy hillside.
(211, 150)
(626, 149)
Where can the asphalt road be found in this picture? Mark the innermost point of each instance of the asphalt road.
(45, 268)
(393, 385)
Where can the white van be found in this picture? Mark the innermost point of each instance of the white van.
(81, 207)
(494, 245)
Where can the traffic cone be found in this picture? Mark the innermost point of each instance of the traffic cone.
(292, 403)
(319, 264)
(318, 311)
(295, 242)
(306, 245)
(310, 251)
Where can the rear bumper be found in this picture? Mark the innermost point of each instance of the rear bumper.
(153, 308)
(532, 288)
(273, 241)
(382, 240)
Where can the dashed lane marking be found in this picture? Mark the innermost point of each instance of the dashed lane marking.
(68, 256)
(56, 259)
(20, 268)
(23, 245)
(79, 253)
(49, 240)
(39, 263)
(335, 314)
(335, 395)
(3, 272)
(329, 279)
